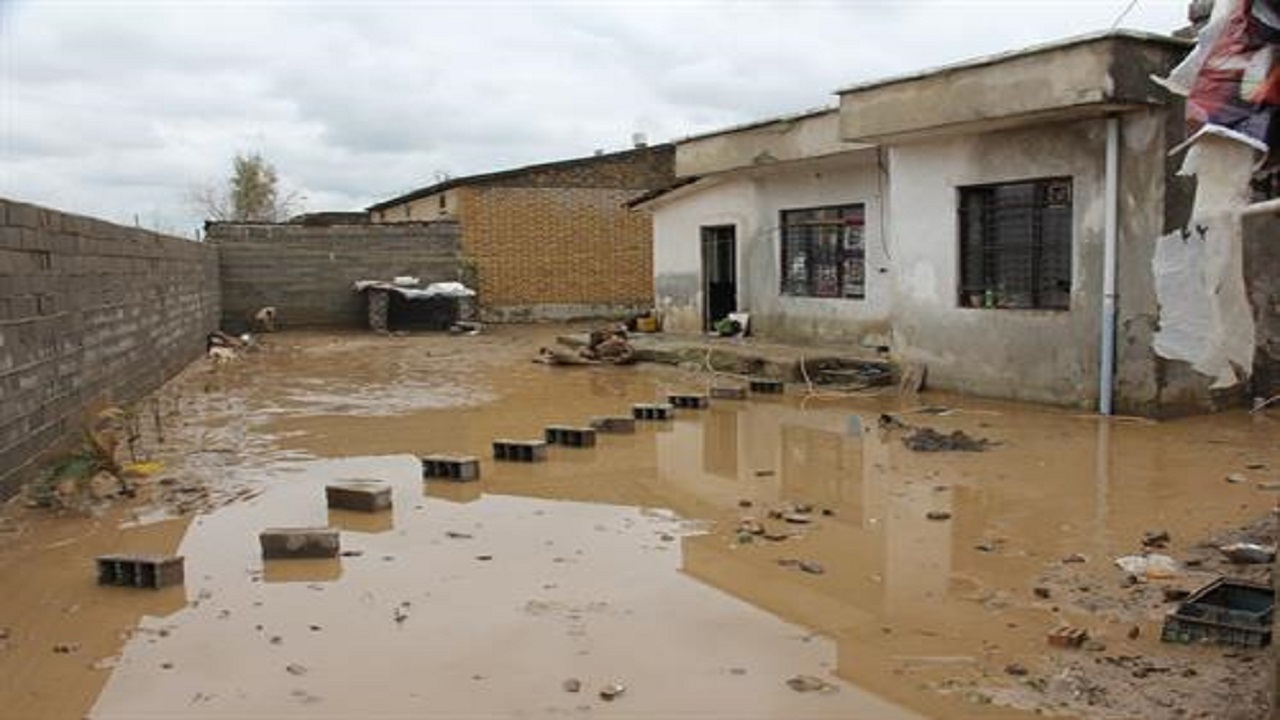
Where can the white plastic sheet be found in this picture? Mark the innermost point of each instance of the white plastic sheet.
(1205, 316)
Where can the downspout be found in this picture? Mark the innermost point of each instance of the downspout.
(1111, 193)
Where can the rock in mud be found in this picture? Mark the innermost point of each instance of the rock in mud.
(926, 439)
(572, 685)
(1248, 553)
(809, 683)
(295, 669)
(938, 515)
(1155, 538)
(612, 691)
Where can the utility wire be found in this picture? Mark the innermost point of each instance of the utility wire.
(1123, 13)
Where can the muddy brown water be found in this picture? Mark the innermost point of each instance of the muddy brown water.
(614, 564)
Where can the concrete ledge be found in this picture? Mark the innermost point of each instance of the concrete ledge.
(451, 467)
(360, 495)
(144, 571)
(520, 450)
(299, 543)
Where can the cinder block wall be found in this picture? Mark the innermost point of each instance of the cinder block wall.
(90, 312)
(307, 273)
(557, 253)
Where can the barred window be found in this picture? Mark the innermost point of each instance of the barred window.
(1015, 245)
(823, 252)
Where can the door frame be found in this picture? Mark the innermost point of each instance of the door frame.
(709, 236)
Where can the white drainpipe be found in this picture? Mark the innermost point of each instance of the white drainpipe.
(1111, 193)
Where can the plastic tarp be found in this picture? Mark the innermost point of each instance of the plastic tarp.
(1232, 78)
(438, 289)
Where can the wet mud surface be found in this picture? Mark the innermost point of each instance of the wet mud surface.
(699, 564)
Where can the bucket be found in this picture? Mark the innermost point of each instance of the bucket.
(647, 324)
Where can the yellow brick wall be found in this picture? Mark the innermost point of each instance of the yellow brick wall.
(571, 246)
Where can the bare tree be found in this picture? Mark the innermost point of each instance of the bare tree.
(251, 194)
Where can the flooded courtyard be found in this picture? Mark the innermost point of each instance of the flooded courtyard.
(778, 557)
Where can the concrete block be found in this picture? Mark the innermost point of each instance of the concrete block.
(145, 571)
(451, 467)
(695, 402)
(729, 393)
(650, 411)
(766, 386)
(1068, 637)
(299, 543)
(520, 450)
(570, 436)
(616, 425)
(361, 495)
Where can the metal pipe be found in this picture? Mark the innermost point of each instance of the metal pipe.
(1111, 200)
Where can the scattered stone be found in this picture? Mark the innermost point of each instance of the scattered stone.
(454, 535)
(745, 503)
(926, 439)
(277, 640)
(1156, 538)
(1041, 592)
(1092, 645)
(1134, 632)
(828, 512)
(666, 537)
(750, 526)
(66, 648)
(811, 567)
(809, 683)
(572, 685)
(612, 691)
(296, 669)
(985, 546)
(797, 518)
(166, 666)
(484, 558)
(1074, 558)
(765, 473)
(1249, 553)
(1176, 594)
(1237, 478)
(1255, 466)
(775, 536)
(938, 515)
(1015, 669)
(737, 671)
(351, 553)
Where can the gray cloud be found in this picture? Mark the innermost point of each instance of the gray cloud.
(117, 108)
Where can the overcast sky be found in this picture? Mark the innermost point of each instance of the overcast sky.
(116, 109)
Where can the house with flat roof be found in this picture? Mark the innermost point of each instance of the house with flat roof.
(995, 221)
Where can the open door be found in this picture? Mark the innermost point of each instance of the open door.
(719, 274)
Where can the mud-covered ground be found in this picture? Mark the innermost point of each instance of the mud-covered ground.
(780, 557)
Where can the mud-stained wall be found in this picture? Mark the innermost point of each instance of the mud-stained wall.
(90, 313)
(1033, 355)
(307, 273)
(1262, 281)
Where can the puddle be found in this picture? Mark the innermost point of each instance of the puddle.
(489, 622)
(905, 579)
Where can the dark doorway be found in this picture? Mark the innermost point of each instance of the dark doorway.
(719, 273)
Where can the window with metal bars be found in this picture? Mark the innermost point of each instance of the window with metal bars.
(824, 252)
(1015, 245)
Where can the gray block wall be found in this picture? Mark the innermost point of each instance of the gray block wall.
(307, 272)
(90, 312)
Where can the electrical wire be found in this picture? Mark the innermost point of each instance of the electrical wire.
(1123, 13)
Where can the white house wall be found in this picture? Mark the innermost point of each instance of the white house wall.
(752, 201)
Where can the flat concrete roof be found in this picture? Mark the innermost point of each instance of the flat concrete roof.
(1140, 35)
(751, 125)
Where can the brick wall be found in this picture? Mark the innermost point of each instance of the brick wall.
(306, 272)
(90, 312)
(644, 168)
(557, 252)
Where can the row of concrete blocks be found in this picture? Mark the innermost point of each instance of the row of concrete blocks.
(368, 496)
(454, 467)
